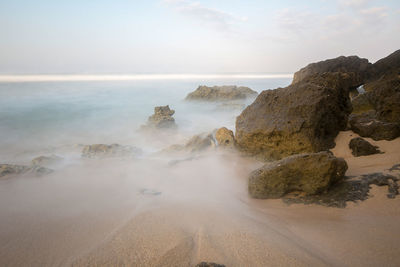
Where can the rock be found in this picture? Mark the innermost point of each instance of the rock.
(162, 118)
(301, 118)
(46, 160)
(11, 169)
(366, 125)
(221, 93)
(225, 137)
(361, 147)
(104, 151)
(197, 143)
(309, 173)
(355, 189)
(209, 264)
(352, 64)
(385, 66)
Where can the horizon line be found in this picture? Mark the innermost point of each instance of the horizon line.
(129, 77)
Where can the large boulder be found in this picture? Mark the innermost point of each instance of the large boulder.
(105, 151)
(361, 147)
(162, 118)
(221, 93)
(303, 117)
(225, 138)
(308, 173)
(352, 64)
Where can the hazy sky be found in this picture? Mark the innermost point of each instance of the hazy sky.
(191, 36)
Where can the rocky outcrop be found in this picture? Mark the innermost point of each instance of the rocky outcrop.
(309, 173)
(351, 65)
(385, 66)
(46, 160)
(366, 125)
(225, 138)
(161, 119)
(221, 93)
(361, 147)
(105, 151)
(11, 169)
(303, 117)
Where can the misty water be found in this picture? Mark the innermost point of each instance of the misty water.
(71, 211)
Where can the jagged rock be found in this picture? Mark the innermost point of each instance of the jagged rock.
(225, 137)
(303, 117)
(361, 147)
(162, 118)
(352, 64)
(384, 66)
(114, 150)
(221, 93)
(309, 173)
(46, 160)
(197, 143)
(366, 125)
(209, 264)
(355, 189)
(12, 169)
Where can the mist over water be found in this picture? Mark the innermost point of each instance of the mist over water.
(85, 201)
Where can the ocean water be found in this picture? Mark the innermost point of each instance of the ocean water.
(42, 117)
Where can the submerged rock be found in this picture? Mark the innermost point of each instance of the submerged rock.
(225, 138)
(309, 173)
(196, 144)
(356, 66)
(12, 169)
(114, 150)
(361, 147)
(221, 93)
(46, 160)
(349, 190)
(301, 118)
(161, 119)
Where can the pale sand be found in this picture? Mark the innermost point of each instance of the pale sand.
(203, 214)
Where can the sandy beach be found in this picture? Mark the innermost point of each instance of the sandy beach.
(187, 217)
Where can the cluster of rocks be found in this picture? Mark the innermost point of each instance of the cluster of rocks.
(13, 169)
(221, 93)
(292, 125)
(161, 119)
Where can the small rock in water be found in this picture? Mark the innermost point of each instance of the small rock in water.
(162, 118)
(221, 93)
(209, 264)
(46, 160)
(225, 138)
(114, 150)
(146, 191)
(11, 169)
(361, 147)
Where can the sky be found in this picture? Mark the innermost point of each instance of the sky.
(191, 36)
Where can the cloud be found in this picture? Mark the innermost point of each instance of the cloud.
(353, 3)
(219, 19)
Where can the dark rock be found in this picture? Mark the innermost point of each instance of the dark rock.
(384, 66)
(209, 264)
(104, 151)
(366, 125)
(12, 169)
(361, 147)
(161, 119)
(308, 173)
(301, 118)
(352, 64)
(395, 167)
(349, 190)
(225, 138)
(221, 93)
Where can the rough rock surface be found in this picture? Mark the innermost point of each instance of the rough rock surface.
(352, 64)
(361, 147)
(225, 137)
(221, 93)
(349, 190)
(303, 117)
(46, 160)
(162, 118)
(366, 125)
(309, 173)
(196, 144)
(11, 169)
(104, 151)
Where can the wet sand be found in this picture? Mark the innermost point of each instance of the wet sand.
(150, 212)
